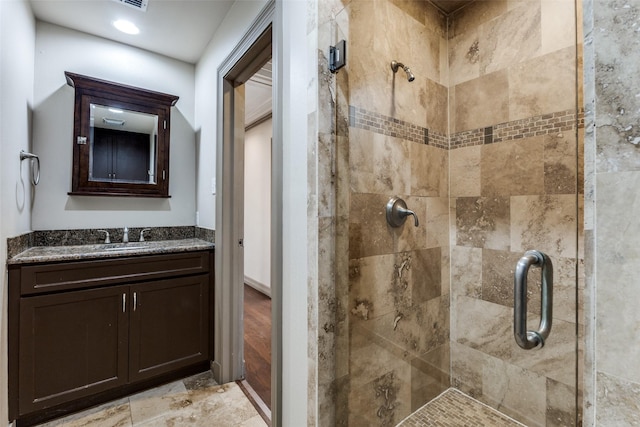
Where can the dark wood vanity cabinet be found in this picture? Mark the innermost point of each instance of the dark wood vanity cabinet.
(85, 332)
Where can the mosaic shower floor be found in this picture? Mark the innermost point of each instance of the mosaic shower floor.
(455, 409)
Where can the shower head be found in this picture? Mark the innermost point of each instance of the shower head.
(395, 65)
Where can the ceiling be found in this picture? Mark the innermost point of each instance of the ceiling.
(449, 6)
(258, 95)
(180, 29)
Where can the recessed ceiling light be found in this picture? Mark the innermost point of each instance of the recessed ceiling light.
(126, 26)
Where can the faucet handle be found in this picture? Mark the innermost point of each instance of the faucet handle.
(397, 212)
(106, 237)
(142, 233)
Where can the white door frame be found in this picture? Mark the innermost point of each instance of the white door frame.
(229, 262)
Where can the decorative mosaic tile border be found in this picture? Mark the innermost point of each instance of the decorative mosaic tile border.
(525, 128)
(390, 126)
(452, 409)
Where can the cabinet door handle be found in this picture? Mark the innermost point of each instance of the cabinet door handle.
(124, 303)
(135, 300)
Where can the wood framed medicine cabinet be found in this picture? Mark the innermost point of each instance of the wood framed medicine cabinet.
(120, 139)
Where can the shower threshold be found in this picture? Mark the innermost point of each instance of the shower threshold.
(455, 409)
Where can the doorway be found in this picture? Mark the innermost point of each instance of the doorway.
(257, 238)
(247, 59)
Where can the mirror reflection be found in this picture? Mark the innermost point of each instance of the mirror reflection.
(123, 145)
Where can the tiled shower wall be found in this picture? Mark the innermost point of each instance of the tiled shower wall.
(493, 102)
(612, 163)
(513, 173)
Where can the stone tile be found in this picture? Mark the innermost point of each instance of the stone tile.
(153, 403)
(380, 386)
(618, 231)
(392, 284)
(425, 275)
(498, 268)
(558, 25)
(112, 414)
(545, 223)
(488, 327)
(445, 270)
(616, 85)
(372, 82)
(466, 369)
(560, 163)
(543, 85)
(483, 222)
(518, 392)
(416, 329)
(369, 233)
(429, 375)
(437, 100)
(374, 160)
(428, 170)
(371, 281)
(522, 24)
(466, 271)
(618, 401)
(512, 168)
(465, 182)
(408, 237)
(255, 421)
(482, 102)
(437, 222)
(464, 57)
(561, 405)
(201, 381)
(475, 14)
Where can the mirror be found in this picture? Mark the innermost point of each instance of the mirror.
(121, 139)
(123, 145)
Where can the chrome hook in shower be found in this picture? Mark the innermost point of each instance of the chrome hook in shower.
(395, 65)
(397, 212)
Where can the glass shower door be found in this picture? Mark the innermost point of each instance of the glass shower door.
(483, 146)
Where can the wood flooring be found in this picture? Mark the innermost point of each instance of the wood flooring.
(257, 342)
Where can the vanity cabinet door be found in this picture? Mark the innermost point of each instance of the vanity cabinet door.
(169, 325)
(72, 345)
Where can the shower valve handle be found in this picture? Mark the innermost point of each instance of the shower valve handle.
(397, 212)
(406, 212)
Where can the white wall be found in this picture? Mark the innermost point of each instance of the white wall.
(294, 63)
(17, 41)
(227, 36)
(257, 206)
(58, 50)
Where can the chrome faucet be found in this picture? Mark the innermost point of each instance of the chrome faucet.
(142, 234)
(125, 235)
(106, 237)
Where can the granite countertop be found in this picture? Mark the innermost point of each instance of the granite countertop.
(39, 254)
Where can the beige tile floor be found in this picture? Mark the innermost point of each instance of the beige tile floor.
(196, 401)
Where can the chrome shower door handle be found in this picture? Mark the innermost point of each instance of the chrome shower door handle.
(532, 339)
